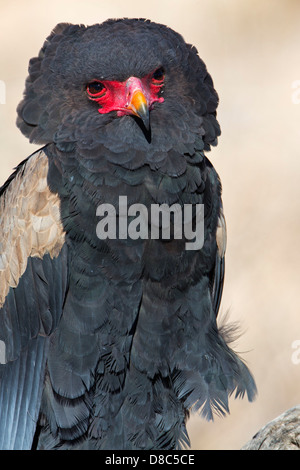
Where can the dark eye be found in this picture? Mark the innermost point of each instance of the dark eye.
(96, 89)
(158, 76)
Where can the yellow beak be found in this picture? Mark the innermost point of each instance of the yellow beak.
(139, 107)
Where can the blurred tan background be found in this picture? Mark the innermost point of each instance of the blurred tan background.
(251, 48)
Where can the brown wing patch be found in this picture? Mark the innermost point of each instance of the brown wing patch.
(221, 235)
(29, 222)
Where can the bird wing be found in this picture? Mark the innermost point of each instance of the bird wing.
(33, 279)
(221, 238)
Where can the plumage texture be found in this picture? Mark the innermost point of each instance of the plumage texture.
(111, 343)
(30, 219)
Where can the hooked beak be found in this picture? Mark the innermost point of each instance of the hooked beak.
(138, 105)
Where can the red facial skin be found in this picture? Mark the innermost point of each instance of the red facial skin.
(118, 96)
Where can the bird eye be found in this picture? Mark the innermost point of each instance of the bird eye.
(96, 89)
(158, 76)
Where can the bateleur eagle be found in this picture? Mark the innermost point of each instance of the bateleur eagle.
(110, 342)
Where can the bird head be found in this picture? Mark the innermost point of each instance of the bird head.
(135, 96)
(122, 84)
